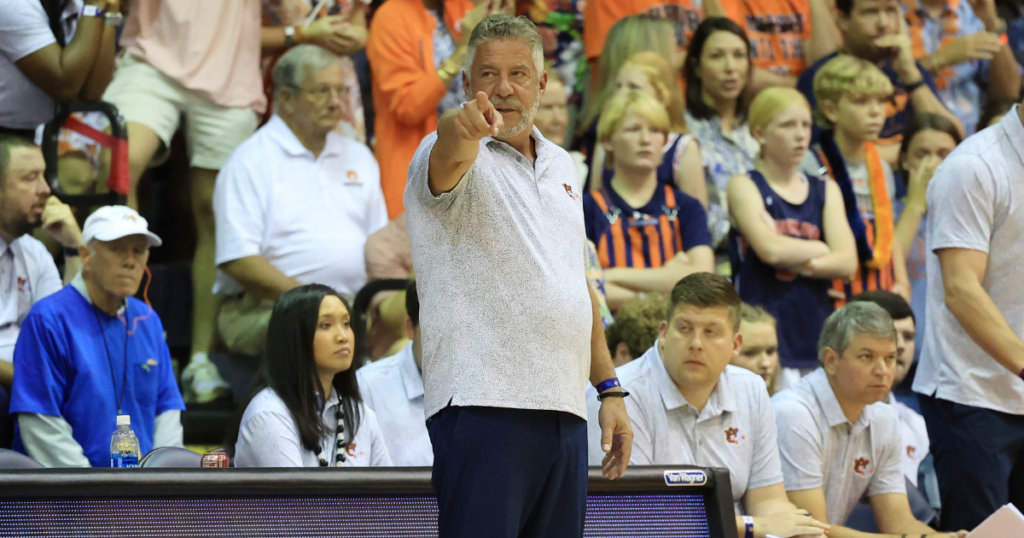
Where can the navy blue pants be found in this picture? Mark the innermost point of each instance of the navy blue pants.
(979, 460)
(506, 473)
(6, 421)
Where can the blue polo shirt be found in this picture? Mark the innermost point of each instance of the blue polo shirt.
(899, 110)
(63, 370)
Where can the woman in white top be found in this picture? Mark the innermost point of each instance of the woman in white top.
(307, 406)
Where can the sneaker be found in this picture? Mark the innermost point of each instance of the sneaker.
(202, 382)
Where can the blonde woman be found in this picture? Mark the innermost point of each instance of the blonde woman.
(681, 165)
(789, 233)
(760, 351)
(648, 235)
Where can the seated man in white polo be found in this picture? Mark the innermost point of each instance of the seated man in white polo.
(688, 406)
(393, 388)
(838, 442)
(295, 203)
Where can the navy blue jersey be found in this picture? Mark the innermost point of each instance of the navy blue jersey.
(799, 304)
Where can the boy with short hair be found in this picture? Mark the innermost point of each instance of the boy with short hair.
(688, 406)
(851, 99)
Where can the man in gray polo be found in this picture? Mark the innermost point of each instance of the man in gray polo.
(972, 362)
(511, 330)
(688, 406)
(837, 441)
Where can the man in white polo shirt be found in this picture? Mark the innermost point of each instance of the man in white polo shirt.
(837, 441)
(688, 406)
(295, 203)
(511, 329)
(27, 271)
(971, 375)
(393, 388)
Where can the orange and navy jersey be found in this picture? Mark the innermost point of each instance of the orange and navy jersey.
(600, 15)
(777, 30)
(866, 279)
(648, 236)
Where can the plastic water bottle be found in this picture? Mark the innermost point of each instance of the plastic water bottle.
(124, 446)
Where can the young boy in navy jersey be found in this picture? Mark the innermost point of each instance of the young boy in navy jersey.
(789, 236)
(851, 94)
(648, 236)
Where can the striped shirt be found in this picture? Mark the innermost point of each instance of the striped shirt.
(647, 236)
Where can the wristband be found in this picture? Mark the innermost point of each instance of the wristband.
(92, 11)
(289, 36)
(749, 522)
(608, 384)
(911, 88)
(70, 252)
(612, 394)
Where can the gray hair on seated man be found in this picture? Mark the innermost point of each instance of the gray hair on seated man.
(292, 67)
(850, 320)
(503, 28)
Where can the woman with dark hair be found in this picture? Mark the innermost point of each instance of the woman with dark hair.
(717, 71)
(306, 410)
(927, 141)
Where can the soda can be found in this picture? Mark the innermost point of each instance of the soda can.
(215, 459)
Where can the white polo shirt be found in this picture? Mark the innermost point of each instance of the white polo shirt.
(309, 216)
(27, 274)
(393, 388)
(976, 202)
(505, 309)
(268, 437)
(821, 448)
(735, 430)
(914, 433)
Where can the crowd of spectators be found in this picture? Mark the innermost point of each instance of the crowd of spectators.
(768, 160)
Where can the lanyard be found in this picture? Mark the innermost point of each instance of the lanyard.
(110, 362)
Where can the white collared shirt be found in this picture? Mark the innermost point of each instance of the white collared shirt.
(268, 436)
(976, 202)
(500, 260)
(915, 437)
(393, 388)
(308, 216)
(735, 430)
(27, 274)
(821, 448)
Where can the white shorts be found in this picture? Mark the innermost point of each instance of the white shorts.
(146, 96)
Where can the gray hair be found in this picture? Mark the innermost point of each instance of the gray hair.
(505, 28)
(855, 318)
(293, 66)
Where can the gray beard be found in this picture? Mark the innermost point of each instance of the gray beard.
(525, 121)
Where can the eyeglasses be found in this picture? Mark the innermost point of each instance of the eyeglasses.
(321, 94)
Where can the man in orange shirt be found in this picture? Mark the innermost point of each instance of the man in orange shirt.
(785, 35)
(600, 15)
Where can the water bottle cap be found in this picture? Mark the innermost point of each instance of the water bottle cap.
(124, 420)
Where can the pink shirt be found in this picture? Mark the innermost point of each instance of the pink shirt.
(209, 46)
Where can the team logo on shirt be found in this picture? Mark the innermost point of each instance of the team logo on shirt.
(24, 286)
(568, 189)
(351, 451)
(861, 467)
(148, 363)
(352, 179)
(731, 435)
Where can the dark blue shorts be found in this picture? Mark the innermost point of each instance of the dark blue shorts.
(506, 473)
(979, 460)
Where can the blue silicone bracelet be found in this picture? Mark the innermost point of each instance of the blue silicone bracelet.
(749, 522)
(608, 384)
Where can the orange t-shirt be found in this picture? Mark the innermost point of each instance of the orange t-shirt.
(600, 15)
(777, 30)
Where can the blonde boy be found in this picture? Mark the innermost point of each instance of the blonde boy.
(851, 96)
